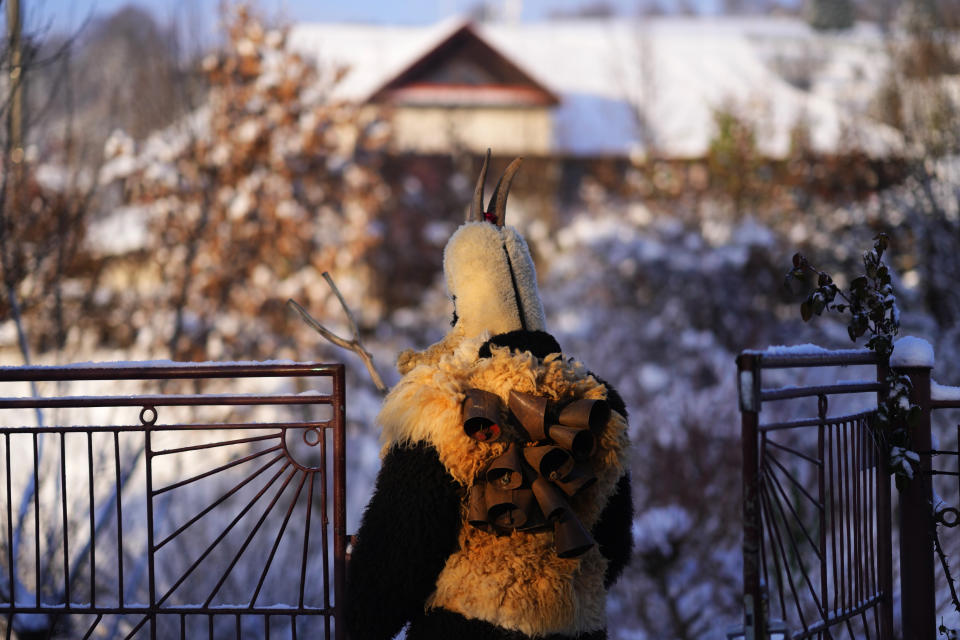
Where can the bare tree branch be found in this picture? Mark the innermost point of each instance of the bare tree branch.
(355, 345)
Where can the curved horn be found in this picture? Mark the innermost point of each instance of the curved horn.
(476, 207)
(500, 197)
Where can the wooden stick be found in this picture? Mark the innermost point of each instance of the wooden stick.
(355, 345)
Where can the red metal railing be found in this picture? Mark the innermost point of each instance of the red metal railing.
(816, 505)
(170, 512)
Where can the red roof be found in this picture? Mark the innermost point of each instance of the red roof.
(463, 69)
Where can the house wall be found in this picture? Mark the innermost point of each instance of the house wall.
(524, 130)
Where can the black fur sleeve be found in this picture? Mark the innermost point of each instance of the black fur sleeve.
(408, 530)
(613, 530)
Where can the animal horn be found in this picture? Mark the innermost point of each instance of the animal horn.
(499, 196)
(476, 207)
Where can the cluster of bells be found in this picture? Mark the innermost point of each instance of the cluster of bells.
(527, 487)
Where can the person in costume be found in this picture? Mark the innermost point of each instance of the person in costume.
(502, 509)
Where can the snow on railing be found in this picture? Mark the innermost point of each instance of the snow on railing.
(944, 393)
(910, 351)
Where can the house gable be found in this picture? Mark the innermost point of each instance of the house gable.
(464, 70)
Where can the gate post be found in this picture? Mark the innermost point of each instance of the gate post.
(917, 587)
(884, 527)
(748, 379)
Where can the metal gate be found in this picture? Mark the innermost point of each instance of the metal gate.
(172, 500)
(816, 511)
(817, 522)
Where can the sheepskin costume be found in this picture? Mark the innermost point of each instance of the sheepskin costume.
(419, 560)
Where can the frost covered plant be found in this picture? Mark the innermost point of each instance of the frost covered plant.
(870, 300)
(904, 459)
(872, 308)
(271, 182)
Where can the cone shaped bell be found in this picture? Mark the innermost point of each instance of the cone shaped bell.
(591, 414)
(551, 501)
(578, 480)
(577, 440)
(481, 415)
(570, 538)
(506, 470)
(535, 518)
(526, 504)
(531, 412)
(477, 507)
(549, 461)
(502, 510)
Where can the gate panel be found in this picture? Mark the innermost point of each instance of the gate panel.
(816, 507)
(818, 493)
(173, 513)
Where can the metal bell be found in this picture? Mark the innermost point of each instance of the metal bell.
(550, 499)
(506, 470)
(570, 538)
(576, 482)
(577, 440)
(551, 462)
(585, 413)
(531, 412)
(477, 507)
(481, 415)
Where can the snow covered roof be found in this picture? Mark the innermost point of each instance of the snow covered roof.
(373, 53)
(775, 70)
(463, 69)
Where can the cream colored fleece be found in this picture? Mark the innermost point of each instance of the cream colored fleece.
(515, 581)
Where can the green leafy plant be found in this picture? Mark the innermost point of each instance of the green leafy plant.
(871, 308)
